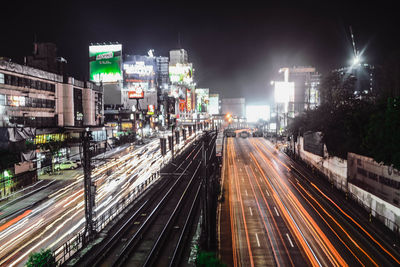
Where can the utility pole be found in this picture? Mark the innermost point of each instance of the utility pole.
(90, 188)
(206, 222)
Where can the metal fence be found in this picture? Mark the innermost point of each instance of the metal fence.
(69, 248)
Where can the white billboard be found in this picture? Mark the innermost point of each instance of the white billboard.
(284, 93)
(213, 104)
(259, 112)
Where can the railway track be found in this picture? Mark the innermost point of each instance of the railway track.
(154, 232)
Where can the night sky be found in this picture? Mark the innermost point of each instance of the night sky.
(237, 49)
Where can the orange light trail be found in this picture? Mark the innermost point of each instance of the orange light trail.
(295, 230)
(326, 245)
(241, 205)
(348, 216)
(232, 217)
(273, 220)
(16, 219)
(322, 217)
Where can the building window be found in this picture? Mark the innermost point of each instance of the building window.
(2, 100)
(16, 101)
(2, 78)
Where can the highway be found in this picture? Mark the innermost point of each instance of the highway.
(59, 215)
(279, 217)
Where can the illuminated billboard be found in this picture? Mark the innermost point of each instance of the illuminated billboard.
(181, 73)
(139, 71)
(139, 68)
(255, 113)
(150, 109)
(136, 93)
(213, 104)
(105, 63)
(188, 100)
(202, 98)
(284, 93)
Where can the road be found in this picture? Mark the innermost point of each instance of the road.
(279, 217)
(59, 213)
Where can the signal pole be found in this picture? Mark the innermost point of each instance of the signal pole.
(90, 188)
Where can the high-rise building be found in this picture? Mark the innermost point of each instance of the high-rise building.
(44, 57)
(178, 56)
(364, 74)
(162, 74)
(300, 90)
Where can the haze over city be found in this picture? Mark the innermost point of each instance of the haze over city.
(159, 133)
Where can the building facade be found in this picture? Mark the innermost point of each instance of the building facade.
(234, 106)
(38, 108)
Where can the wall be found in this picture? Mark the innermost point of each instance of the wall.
(333, 167)
(376, 187)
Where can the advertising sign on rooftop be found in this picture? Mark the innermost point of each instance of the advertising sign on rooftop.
(136, 93)
(181, 73)
(202, 100)
(105, 63)
(139, 71)
(213, 104)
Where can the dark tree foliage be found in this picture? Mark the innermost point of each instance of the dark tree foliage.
(364, 124)
(44, 258)
(208, 259)
(382, 139)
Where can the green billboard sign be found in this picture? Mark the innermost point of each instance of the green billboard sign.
(105, 63)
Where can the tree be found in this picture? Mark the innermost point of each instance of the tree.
(383, 133)
(337, 89)
(341, 117)
(44, 258)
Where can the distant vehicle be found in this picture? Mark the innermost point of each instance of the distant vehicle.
(230, 134)
(244, 134)
(258, 134)
(66, 165)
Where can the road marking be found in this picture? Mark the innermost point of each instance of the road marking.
(290, 241)
(276, 211)
(246, 192)
(266, 191)
(258, 241)
(251, 212)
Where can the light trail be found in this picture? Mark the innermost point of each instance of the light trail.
(324, 242)
(341, 210)
(271, 239)
(295, 228)
(330, 227)
(231, 212)
(16, 219)
(68, 211)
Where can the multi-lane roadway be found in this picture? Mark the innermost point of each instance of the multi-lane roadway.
(277, 216)
(59, 213)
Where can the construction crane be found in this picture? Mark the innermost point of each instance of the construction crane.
(356, 59)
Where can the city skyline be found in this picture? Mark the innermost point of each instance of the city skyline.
(235, 50)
